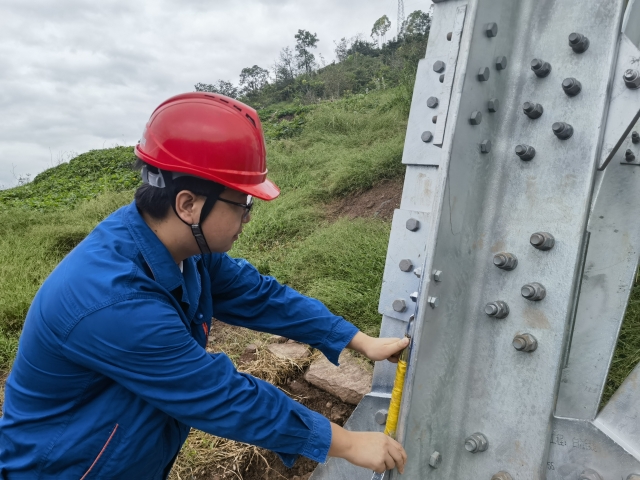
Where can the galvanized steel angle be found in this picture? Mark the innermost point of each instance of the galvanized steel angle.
(403, 244)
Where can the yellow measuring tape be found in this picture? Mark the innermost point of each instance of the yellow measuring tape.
(396, 396)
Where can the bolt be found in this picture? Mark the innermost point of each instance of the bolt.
(418, 272)
(381, 417)
(439, 66)
(435, 460)
(540, 67)
(578, 42)
(589, 474)
(432, 102)
(633, 476)
(412, 318)
(562, 130)
(505, 261)
(437, 275)
(414, 297)
(449, 36)
(483, 74)
(399, 305)
(476, 118)
(426, 136)
(632, 79)
(571, 86)
(502, 476)
(433, 302)
(441, 78)
(485, 146)
(525, 342)
(501, 62)
(476, 442)
(413, 224)
(494, 104)
(532, 110)
(406, 265)
(491, 29)
(629, 156)
(525, 152)
(533, 291)
(497, 309)
(542, 240)
(635, 137)
(434, 119)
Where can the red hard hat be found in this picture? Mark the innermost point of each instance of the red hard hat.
(209, 136)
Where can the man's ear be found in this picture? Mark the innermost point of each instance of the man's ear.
(188, 206)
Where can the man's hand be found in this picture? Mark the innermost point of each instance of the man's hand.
(378, 348)
(372, 450)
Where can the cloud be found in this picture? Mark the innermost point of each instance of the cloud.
(80, 75)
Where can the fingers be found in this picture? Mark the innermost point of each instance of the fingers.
(398, 456)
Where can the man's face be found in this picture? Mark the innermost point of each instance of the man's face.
(225, 222)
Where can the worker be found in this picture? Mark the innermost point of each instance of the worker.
(112, 368)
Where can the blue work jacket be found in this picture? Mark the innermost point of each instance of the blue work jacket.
(112, 370)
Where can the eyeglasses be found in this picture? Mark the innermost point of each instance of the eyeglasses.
(247, 206)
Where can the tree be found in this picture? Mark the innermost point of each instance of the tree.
(222, 87)
(417, 23)
(285, 68)
(305, 41)
(253, 78)
(342, 49)
(380, 28)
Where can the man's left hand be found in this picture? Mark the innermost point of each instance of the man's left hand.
(378, 348)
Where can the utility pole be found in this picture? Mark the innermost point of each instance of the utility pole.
(400, 16)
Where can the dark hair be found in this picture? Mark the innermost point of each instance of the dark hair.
(156, 202)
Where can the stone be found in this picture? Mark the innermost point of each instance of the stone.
(349, 382)
(251, 348)
(277, 339)
(289, 351)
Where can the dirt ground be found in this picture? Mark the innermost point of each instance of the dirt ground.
(380, 202)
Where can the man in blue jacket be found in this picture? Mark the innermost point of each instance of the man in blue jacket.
(112, 369)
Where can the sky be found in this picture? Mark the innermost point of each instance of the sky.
(77, 75)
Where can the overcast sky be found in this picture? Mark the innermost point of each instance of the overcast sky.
(77, 75)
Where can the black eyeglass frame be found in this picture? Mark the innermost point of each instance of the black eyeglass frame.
(247, 206)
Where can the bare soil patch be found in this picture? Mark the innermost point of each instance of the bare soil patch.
(378, 202)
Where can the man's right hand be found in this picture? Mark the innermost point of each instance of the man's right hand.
(372, 450)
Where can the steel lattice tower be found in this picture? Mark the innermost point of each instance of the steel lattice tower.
(400, 15)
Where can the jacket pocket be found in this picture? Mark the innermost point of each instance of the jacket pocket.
(103, 456)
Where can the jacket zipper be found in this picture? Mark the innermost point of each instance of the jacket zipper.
(101, 452)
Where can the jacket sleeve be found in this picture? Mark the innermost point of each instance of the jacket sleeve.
(244, 297)
(142, 344)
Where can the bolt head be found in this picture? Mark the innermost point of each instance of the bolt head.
(426, 136)
(381, 417)
(476, 118)
(435, 460)
(491, 29)
(433, 302)
(494, 105)
(501, 62)
(439, 66)
(399, 305)
(406, 265)
(441, 78)
(485, 146)
(437, 275)
(414, 297)
(434, 119)
(632, 79)
(418, 272)
(412, 224)
(502, 476)
(483, 74)
(432, 102)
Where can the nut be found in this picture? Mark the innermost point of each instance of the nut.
(635, 137)
(542, 240)
(502, 476)
(525, 342)
(381, 417)
(475, 118)
(437, 275)
(589, 474)
(483, 74)
(426, 136)
(533, 291)
(406, 265)
(525, 152)
(476, 442)
(578, 42)
(491, 29)
(571, 86)
(418, 272)
(414, 297)
(413, 224)
(629, 156)
(435, 460)
(505, 261)
(501, 62)
(632, 79)
(562, 130)
(540, 67)
(432, 102)
(399, 305)
(439, 66)
(494, 105)
(433, 302)
(532, 110)
(497, 309)
(485, 146)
